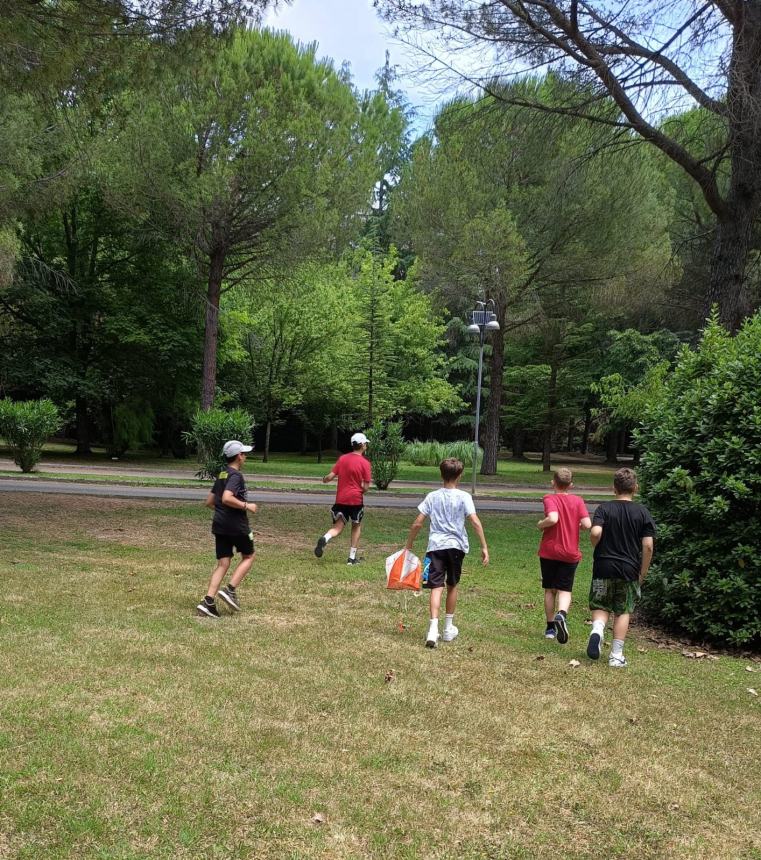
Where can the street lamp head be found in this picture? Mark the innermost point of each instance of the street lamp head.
(474, 329)
(492, 325)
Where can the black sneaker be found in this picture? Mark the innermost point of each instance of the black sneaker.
(230, 599)
(353, 560)
(320, 546)
(207, 610)
(561, 628)
(593, 646)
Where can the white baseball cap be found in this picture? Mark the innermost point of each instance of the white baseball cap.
(359, 439)
(234, 447)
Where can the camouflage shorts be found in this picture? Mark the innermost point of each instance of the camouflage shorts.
(614, 595)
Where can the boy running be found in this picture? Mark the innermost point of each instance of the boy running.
(559, 556)
(353, 473)
(230, 528)
(448, 509)
(622, 535)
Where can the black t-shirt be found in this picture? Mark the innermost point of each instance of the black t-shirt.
(229, 521)
(619, 553)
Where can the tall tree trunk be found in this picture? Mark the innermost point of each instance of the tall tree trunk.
(494, 408)
(611, 447)
(519, 438)
(622, 441)
(319, 447)
(334, 437)
(211, 331)
(552, 396)
(571, 434)
(732, 242)
(304, 440)
(267, 431)
(83, 427)
(587, 430)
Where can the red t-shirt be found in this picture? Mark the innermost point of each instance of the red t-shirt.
(352, 469)
(561, 541)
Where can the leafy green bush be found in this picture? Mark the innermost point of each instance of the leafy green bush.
(209, 432)
(131, 427)
(432, 453)
(701, 474)
(384, 449)
(26, 426)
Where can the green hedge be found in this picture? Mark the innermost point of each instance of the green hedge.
(26, 425)
(432, 453)
(701, 477)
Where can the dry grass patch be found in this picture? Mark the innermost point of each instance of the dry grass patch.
(315, 725)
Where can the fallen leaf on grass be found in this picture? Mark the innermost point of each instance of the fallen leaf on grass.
(401, 626)
(539, 657)
(528, 605)
(699, 655)
(390, 676)
(752, 691)
(632, 720)
(642, 650)
(574, 663)
(319, 818)
(673, 807)
(750, 669)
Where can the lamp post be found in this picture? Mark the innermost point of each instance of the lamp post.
(483, 319)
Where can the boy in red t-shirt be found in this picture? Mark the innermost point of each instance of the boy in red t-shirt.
(353, 473)
(564, 516)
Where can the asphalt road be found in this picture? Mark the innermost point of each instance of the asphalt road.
(275, 497)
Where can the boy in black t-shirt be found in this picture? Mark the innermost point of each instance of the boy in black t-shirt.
(230, 528)
(622, 535)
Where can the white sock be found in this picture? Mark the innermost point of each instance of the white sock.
(598, 627)
(327, 537)
(353, 552)
(617, 648)
(448, 621)
(433, 628)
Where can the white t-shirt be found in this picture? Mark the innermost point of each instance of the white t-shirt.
(447, 509)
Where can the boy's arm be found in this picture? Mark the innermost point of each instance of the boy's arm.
(329, 477)
(586, 523)
(550, 520)
(209, 503)
(647, 557)
(595, 535)
(414, 529)
(232, 501)
(479, 530)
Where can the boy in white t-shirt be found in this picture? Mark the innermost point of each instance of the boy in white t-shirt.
(448, 509)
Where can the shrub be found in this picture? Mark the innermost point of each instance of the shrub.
(701, 475)
(209, 432)
(26, 426)
(131, 427)
(384, 449)
(432, 453)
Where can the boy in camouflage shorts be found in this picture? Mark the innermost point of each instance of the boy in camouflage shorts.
(622, 534)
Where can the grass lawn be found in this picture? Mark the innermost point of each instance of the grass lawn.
(130, 729)
(588, 472)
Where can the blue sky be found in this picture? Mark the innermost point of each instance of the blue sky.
(351, 30)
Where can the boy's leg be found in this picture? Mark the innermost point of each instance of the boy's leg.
(244, 566)
(435, 607)
(564, 601)
(620, 629)
(208, 606)
(334, 531)
(549, 604)
(594, 645)
(356, 529)
(450, 631)
(560, 618)
(217, 575)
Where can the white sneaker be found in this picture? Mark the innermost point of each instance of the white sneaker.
(450, 633)
(432, 639)
(617, 661)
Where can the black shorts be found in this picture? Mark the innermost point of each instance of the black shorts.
(445, 567)
(558, 574)
(227, 544)
(348, 513)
